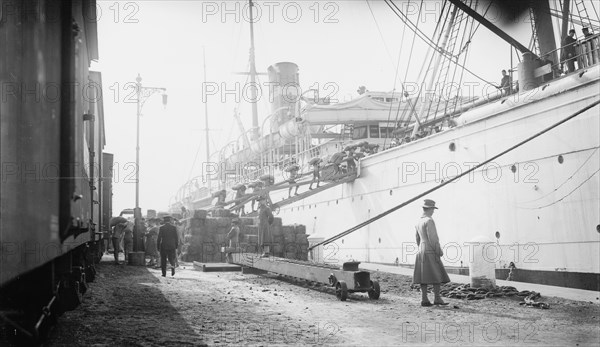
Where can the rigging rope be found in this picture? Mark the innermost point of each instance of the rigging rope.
(381, 215)
(395, 80)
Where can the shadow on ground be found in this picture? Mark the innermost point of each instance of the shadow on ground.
(126, 305)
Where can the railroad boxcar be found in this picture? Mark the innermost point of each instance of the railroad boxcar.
(54, 183)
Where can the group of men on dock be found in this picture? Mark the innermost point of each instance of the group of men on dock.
(161, 241)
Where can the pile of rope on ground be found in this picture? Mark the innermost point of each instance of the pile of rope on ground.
(464, 291)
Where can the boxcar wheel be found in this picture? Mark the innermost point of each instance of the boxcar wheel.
(70, 295)
(375, 291)
(341, 290)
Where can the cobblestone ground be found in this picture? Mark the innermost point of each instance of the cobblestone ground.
(135, 306)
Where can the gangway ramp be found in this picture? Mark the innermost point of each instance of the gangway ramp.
(342, 179)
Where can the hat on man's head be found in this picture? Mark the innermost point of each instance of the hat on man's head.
(571, 31)
(429, 204)
(167, 218)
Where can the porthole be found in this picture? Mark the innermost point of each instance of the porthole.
(336, 202)
(513, 168)
(497, 234)
(380, 240)
(342, 241)
(598, 228)
(391, 192)
(561, 159)
(452, 147)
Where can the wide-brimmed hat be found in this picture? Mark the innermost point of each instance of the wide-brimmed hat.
(429, 204)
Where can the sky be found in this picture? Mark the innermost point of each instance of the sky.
(338, 46)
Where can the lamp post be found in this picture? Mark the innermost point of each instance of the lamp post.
(142, 93)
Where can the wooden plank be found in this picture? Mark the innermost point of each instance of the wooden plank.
(304, 271)
(216, 267)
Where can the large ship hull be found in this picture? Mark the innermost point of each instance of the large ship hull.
(538, 204)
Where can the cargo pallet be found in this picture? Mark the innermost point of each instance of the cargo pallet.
(349, 279)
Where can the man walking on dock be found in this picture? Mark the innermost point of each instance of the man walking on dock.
(428, 265)
(167, 243)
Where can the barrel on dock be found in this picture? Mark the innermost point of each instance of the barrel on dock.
(482, 268)
(316, 254)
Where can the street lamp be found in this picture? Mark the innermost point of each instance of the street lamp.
(142, 93)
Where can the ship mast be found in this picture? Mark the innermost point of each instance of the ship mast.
(253, 88)
(206, 121)
(565, 19)
(486, 23)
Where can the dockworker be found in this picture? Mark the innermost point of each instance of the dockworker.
(505, 83)
(428, 265)
(117, 236)
(265, 219)
(128, 240)
(265, 194)
(221, 196)
(166, 244)
(316, 174)
(293, 170)
(239, 194)
(256, 187)
(568, 52)
(350, 160)
(151, 235)
(179, 226)
(234, 233)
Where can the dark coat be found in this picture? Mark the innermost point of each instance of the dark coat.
(568, 47)
(167, 240)
(428, 265)
(265, 219)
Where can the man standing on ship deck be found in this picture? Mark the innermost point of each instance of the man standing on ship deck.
(428, 265)
(568, 51)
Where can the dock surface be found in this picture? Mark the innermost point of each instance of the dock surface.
(133, 305)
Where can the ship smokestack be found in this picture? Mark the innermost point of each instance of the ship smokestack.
(285, 89)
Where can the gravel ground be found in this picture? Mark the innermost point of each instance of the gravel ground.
(135, 306)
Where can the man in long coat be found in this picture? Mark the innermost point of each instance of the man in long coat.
(265, 219)
(428, 265)
(167, 243)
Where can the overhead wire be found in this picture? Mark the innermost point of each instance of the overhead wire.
(380, 33)
(396, 74)
(410, 55)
